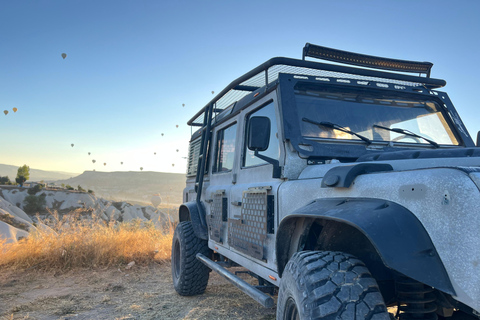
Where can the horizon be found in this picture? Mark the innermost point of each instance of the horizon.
(135, 72)
(96, 171)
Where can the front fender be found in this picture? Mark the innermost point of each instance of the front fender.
(188, 211)
(397, 235)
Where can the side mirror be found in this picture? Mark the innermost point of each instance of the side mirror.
(258, 133)
(478, 139)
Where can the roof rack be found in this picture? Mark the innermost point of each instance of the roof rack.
(268, 72)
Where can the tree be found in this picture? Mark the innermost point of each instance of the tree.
(23, 174)
(33, 191)
(33, 204)
(79, 188)
(5, 180)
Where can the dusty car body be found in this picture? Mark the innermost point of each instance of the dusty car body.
(323, 180)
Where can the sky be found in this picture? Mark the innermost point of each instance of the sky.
(132, 65)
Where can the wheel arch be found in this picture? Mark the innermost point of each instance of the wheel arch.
(385, 235)
(188, 211)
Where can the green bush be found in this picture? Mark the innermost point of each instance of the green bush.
(33, 204)
(33, 191)
(5, 180)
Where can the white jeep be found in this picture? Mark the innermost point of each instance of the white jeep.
(347, 190)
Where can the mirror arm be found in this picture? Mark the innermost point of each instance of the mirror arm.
(277, 171)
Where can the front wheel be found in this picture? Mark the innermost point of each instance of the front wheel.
(190, 276)
(329, 286)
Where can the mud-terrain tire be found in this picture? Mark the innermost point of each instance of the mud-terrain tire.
(329, 286)
(190, 276)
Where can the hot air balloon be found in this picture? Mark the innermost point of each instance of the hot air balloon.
(141, 168)
(177, 125)
(64, 55)
(213, 92)
(155, 153)
(72, 145)
(5, 111)
(89, 153)
(173, 164)
(94, 161)
(183, 104)
(104, 163)
(156, 200)
(14, 109)
(121, 162)
(177, 150)
(162, 134)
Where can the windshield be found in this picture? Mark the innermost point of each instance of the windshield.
(366, 113)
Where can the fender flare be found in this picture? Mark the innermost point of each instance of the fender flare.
(188, 211)
(397, 235)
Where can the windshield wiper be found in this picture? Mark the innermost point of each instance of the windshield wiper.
(337, 127)
(408, 133)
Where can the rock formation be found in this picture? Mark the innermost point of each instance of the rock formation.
(15, 223)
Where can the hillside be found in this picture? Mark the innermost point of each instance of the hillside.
(35, 174)
(131, 186)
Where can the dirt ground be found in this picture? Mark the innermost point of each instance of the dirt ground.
(138, 293)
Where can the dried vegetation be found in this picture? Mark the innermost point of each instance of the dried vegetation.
(75, 242)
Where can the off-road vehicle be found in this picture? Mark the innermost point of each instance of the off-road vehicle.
(349, 190)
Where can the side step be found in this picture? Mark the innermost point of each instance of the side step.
(247, 288)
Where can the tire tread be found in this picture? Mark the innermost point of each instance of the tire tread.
(334, 285)
(193, 278)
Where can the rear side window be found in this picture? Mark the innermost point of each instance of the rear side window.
(193, 154)
(225, 149)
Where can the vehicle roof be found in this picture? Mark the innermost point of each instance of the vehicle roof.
(268, 72)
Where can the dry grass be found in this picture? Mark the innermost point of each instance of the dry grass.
(72, 242)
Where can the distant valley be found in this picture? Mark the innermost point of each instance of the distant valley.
(136, 187)
(130, 186)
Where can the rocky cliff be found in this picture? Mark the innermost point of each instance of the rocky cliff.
(15, 223)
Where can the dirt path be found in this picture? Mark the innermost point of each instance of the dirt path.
(139, 293)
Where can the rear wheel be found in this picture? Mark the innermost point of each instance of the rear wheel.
(330, 286)
(190, 276)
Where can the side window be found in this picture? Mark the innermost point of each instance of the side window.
(225, 149)
(273, 150)
(193, 154)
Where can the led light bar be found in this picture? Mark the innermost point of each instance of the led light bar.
(363, 60)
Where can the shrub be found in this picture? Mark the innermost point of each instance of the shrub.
(33, 204)
(33, 191)
(5, 180)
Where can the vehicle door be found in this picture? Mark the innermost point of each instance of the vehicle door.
(222, 170)
(253, 214)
